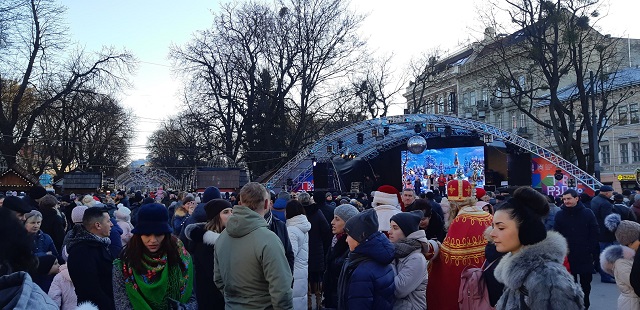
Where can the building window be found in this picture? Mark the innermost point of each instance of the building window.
(514, 121)
(624, 153)
(635, 152)
(605, 155)
(472, 99)
(440, 105)
(452, 102)
(634, 118)
(548, 130)
(485, 95)
(623, 114)
(523, 120)
(465, 100)
(498, 120)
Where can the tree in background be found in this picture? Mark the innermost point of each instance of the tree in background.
(557, 44)
(264, 80)
(39, 69)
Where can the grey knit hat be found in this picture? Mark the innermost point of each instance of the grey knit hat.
(345, 211)
(626, 232)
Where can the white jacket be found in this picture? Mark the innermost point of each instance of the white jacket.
(62, 290)
(298, 228)
(385, 212)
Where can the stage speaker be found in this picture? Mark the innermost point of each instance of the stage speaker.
(323, 176)
(519, 169)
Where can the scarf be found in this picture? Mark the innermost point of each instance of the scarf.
(406, 246)
(152, 289)
(335, 239)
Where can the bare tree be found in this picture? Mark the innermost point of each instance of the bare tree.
(423, 71)
(262, 71)
(555, 46)
(36, 71)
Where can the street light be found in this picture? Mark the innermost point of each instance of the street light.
(594, 124)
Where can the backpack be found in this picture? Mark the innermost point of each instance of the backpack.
(473, 293)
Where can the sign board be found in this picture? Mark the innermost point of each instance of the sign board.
(627, 177)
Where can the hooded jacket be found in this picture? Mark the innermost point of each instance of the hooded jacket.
(90, 266)
(617, 260)
(298, 227)
(250, 266)
(537, 269)
(367, 278)
(411, 277)
(17, 291)
(62, 290)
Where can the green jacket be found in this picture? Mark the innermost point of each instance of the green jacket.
(250, 266)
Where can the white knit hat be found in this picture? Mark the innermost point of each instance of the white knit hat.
(386, 195)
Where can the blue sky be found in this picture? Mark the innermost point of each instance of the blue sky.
(147, 28)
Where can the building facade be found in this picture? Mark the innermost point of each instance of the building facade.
(465, 84)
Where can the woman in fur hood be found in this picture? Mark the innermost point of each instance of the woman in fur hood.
(617, 260)
(532, 269)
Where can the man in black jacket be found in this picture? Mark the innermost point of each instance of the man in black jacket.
(601, 205)
(280, 229)
(90, 263)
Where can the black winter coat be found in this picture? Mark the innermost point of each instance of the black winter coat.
(335, 258)
(203, 241)
(602, 207)
(319, 241)
(280, 229)
(90, 266)
(494, 287)
(53, 224)
(578, 225)
(327, 210)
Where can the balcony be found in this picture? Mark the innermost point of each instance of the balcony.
(523, 132)
(482, 105)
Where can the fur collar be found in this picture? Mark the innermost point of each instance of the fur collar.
(210, 237)
(513, 269)
(612, 253)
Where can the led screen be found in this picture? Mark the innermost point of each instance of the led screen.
(461, 162)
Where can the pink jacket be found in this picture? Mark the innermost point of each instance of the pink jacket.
(62, 290)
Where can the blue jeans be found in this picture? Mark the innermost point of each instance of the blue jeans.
(603, 275)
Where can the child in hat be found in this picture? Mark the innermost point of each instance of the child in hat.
(367, 278)
(617, 260)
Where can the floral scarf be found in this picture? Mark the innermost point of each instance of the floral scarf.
(152, 289)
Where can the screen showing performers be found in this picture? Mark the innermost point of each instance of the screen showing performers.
(434, 166)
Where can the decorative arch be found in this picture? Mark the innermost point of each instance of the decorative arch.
(146, 178)
(400, 129)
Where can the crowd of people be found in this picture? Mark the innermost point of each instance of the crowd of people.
(257, 249)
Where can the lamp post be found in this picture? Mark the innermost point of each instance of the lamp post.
(594, 124)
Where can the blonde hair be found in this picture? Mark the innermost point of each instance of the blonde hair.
(253, 195)
(456, 206)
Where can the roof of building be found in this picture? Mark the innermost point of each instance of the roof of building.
(626, 77)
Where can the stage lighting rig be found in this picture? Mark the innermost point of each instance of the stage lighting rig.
(417, 128)
(360, 138)
(385, 130)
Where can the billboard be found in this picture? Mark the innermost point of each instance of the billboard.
(542, 178)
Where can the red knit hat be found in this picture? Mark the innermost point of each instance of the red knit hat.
(458, 190)
(386, 195)
(480, 192)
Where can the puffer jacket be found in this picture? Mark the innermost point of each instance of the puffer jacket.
(17, 291)
(335, 259)
(298, 228)
(62, 290)
(367, 278)
(537, 269)
(617, 260)
(411, 275)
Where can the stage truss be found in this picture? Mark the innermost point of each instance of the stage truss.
(400, 129)
(146, 179)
